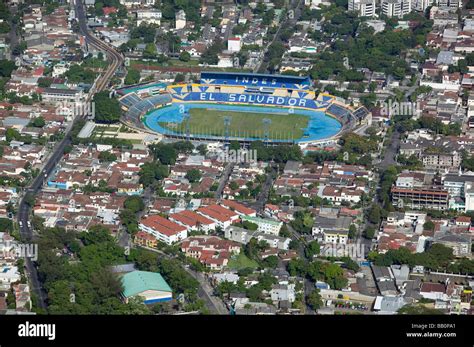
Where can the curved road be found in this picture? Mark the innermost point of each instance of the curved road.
(116, 61)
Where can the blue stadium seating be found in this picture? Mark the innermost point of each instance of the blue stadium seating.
(260, 80)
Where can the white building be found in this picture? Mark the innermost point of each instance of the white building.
(244, 236)
(268, 226)
(377, 25)
(422, 5)
(164, 230)
(180, 20)
(336, 236)
(9, 274)
(59, 69)
(396, 8)
(234, 44)
(365, 8)
(452, 5)
(148, 17)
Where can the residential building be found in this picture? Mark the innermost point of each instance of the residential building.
(265, 225)
(163, 229)
(421, 198)
(234, 44)
(422, 5)
(460, 243)
(193, 221)
(396, 8)
(148, 16)
(180, 20)
(335, 236)
(211, 251)
(244, 236)
(365, 8)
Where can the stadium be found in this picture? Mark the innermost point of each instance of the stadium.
(239, 107)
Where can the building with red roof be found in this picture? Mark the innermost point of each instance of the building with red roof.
(193, 221)
(239, 208)
(163, 229)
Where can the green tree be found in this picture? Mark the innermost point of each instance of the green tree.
(134, 204)
(374, 214)
(369, 233)
(428, 225)
(193, 175)
(312, 249)
(314, 299)
(185, 56)
(107, 110)
(133, 76)
(352, 231)
(107, 157)
(270, 262)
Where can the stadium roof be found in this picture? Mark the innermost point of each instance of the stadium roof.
(137, 282)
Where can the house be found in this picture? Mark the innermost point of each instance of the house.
(385, 280)
(282, 292)
(335, 236)
(22, 297)
(389, 304)
(180, 20)
(163, 229)
(144, 239)
(433, 291)
(212, 251)
(292, 167)
(148, 16)
(401, 274)
(331, 229)
(225, 277)
(9, 274)
(148, 285)
(460, 244)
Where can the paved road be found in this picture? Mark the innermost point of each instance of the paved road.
(26, 233)
(390, 152)
(13, 34)
(206, 292)
(286, 22)
(263, 196)
(224, 179)
(307, 284)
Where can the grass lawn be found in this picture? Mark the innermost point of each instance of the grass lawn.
(243, 124)
(241, 261)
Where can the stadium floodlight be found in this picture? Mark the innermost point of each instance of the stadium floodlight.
(186, 124)
(227, 120)
(266, 129)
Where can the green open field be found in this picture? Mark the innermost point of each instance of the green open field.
(241, 261)
(242, 124)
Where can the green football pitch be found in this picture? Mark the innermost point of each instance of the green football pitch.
(208, 121)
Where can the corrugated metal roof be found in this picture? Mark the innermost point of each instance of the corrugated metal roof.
(137, 282)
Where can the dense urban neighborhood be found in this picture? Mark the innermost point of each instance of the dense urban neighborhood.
(248, 157)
